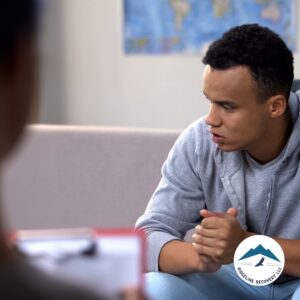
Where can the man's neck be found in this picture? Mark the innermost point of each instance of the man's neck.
(275, 141)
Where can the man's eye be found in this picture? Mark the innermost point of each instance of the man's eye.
(227, 106)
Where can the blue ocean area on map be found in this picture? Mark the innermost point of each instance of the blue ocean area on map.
(188, 26)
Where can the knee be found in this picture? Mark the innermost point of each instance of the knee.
(296, 295)
(163, 286)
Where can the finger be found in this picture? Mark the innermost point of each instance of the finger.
(207, 213)
(208, 233)
(213, 223)
(204, 241)
(204, 250)
(205, 259)
(232, 212)
(216, 255)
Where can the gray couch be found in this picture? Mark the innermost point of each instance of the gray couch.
(74, 176)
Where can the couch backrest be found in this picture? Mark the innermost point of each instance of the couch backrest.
(73, 176)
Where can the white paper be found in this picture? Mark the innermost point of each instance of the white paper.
(117, 262)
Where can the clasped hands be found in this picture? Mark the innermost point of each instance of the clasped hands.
(216, 238)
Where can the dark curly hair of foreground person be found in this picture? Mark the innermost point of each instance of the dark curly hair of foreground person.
(262, 51)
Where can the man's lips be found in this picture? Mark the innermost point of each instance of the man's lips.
(218, 139)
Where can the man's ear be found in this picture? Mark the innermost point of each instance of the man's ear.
(277, 105)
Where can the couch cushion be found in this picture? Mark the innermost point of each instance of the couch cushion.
(73, 176)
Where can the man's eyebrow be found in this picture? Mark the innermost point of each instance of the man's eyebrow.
(219, 101)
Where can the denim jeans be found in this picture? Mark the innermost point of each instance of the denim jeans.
(223, 284)
(296, 295)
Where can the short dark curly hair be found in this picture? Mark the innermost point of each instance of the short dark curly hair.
(262, 51)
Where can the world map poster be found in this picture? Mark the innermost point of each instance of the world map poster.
(189, 26)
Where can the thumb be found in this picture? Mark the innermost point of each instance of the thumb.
(232, 212)
(208, 213)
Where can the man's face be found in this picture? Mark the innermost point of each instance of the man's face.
(237, 120)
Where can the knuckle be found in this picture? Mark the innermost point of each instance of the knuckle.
(218, 253)
(197, 238)
(227, 226)
(203, 223)
(222, 234)
(197, 247)
(222, 244)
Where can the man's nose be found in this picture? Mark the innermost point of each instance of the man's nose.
(213, 118)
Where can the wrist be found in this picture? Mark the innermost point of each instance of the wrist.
(203, 263)
(247, 234)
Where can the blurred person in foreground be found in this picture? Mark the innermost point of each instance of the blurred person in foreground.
(18, 80)
(231, 174)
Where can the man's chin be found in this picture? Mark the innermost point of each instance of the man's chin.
(228, 148)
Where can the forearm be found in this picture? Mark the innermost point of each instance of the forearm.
(178, 257)
(291, 249)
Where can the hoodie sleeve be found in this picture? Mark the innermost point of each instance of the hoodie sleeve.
(174, 207)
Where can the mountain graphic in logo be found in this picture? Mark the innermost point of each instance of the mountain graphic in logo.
(259, 250)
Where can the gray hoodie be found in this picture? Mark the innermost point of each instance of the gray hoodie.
(197, 175)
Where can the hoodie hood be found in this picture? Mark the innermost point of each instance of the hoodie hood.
(294, 140)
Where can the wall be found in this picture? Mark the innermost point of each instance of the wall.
(94, 83)
(53, 71)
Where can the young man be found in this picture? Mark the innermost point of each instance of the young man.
(231, 174)
(18, 74)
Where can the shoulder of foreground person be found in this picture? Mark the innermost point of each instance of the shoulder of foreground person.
(21, 281)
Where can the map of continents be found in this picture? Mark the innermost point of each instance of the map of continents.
(188, 26)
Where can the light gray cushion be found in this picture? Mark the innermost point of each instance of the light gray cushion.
(73, 176)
